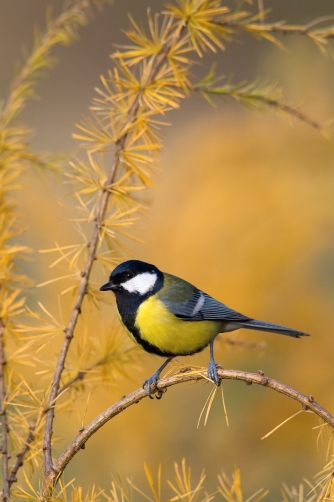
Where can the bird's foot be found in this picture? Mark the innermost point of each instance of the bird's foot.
(153, 380)
(213, 373)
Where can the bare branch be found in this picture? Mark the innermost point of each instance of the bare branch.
(93, 243)
(185, 375)
(6, 488)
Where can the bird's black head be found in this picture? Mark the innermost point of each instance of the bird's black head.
(134, 277)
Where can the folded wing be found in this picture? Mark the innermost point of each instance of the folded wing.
(201, 307)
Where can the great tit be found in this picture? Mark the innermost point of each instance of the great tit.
(170, 317)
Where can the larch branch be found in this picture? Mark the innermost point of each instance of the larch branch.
(185, 375)
(93, 243)
(294, 112)
(280, 28)
(79, 377)
(248, 97)
(28, 70)
(31, 435)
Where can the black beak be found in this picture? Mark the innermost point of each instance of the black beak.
(108, 286)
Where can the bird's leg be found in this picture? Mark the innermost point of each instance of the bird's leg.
(153, 380)
(212, 368)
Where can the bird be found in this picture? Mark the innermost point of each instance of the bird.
(170, 317)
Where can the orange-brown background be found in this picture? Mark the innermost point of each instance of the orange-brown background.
(243, 208)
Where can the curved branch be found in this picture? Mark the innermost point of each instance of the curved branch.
(79, 377)
(186, 375)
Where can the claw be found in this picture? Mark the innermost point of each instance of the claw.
(159, 394)
(153, 380)
(212, 368)
(213, 373)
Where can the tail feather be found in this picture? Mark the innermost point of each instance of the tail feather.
(274, 328)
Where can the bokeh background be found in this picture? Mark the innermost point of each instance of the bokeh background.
(243, 208)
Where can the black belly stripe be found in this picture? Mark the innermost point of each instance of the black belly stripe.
(127, 306)
(152, 349)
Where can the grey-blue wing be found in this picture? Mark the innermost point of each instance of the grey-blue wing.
(202, 307)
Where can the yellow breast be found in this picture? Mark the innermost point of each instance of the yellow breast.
(161, 328)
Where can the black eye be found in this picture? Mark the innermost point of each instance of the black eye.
(128, 275)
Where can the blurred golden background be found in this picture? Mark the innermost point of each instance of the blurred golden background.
(242, 208)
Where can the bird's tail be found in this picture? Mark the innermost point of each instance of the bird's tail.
(274, 328)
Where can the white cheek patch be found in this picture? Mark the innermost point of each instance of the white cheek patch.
(141, 283)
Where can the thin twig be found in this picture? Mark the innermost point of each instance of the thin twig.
(93, 243)
(278, 104)
(20, 456)
(279, 27)
(5, 490)
(294, 112)
(307, 402)
(291, 30)
(80, 375)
